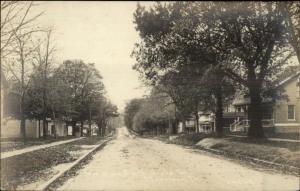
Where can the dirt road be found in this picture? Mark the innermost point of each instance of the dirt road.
(130, 163)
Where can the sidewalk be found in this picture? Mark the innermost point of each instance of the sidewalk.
(271, 139)
(34, 148)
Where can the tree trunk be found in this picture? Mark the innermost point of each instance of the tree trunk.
(39, 131)
(197, 122)
(175, 125)
(254, 111)
(44, 114)
(73, 128)
(45, 86)
(81, 128)
(45, 127)
(183, 126)
(90, 122)
(44, 106)
(53, 115)
(103, 130)
(219, 112)
(170, 126)
(22, 124)
(99, 128)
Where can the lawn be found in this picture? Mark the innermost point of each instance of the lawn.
(15, 144)
(28, 168)
(273, 151)
(285, 153)
(189, 139)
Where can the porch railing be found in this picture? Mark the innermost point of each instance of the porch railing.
(243, 125)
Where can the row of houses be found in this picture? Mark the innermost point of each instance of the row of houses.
(10, 126)
(279, 115)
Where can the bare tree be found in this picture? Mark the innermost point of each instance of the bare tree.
(20, 68)
(15, 16)
(43, 54)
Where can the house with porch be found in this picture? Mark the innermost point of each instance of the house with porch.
(206, 122)
(281, 115)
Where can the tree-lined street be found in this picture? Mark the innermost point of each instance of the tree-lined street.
(133, 163)
(176, 95)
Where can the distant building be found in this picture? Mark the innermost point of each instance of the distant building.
(205, 124)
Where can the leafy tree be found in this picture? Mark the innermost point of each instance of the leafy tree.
(245, 41)
(83, 83)
(255, 33)
(183, 49)
(131, 108)
(156, 114)
(104, 112)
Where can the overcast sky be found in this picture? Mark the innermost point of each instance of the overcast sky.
(102, 33)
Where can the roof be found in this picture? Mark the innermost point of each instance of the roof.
(297, 74)
(246, 100)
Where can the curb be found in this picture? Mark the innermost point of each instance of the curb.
(73, 164)
(270, 139)
(256, 160)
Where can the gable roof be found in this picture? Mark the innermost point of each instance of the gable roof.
(246, 100)
(297, 74)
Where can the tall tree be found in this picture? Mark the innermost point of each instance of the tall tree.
(83, 82)
(43, 57)
(255, 33)
(20, 69)
(179, 45)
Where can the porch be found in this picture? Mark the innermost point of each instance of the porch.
(243, 125)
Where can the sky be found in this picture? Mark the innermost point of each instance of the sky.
(98, 32)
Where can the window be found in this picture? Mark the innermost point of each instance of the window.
(291, 112)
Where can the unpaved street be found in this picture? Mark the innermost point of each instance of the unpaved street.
(130, 163)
